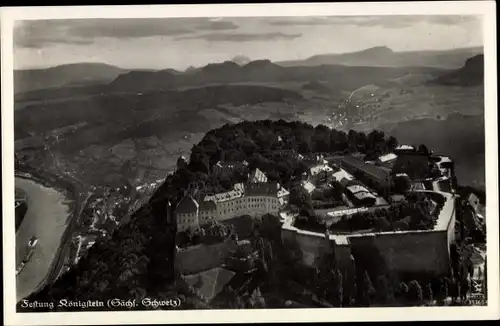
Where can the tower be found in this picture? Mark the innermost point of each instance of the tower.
(181, 162)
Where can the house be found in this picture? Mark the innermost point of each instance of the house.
(343, 177)
(320, 173)
(373, 176)
(386, 160)
(314, 159)
(361, 195)
(445, 165)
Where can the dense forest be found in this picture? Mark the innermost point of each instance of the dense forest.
(137, 259)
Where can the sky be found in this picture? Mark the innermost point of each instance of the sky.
(161, 43)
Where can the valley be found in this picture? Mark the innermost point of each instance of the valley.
(140, 135)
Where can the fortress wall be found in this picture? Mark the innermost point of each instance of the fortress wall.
(414, 252)
(203, 257)
(312, 247)
(403, 252)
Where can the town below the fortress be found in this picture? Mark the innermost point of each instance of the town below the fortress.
(347, 218)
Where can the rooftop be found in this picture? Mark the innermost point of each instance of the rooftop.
(357, 188)
(282, 191)
(308, 186)
(349, 211)
(261, 189)
(405, 147)
(387, 157)
(363, 195)
(342, 174)
(225, 196)
(374, 171)
(210, 283)
(230, 164)
(320, 168)
(257, 176)
(187, 205)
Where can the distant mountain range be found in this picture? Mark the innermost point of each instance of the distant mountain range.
(376, 64)
(241, 60)
(69, 75)
(382, 56)
(260, 71)
(343, 77)
(471, 74)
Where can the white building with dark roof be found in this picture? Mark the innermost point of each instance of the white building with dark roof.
(254, 199)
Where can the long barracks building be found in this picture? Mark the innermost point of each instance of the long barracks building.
(254, 199)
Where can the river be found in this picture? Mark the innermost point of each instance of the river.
(45, 218)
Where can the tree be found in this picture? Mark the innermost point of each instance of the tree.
(443, 291)
(256, 299)
(423, 149)
(384, 290)
(415, 293)
(428, 292)
(464, 289)
(300, 197)
(402, 184)
(367, 290)
(392, 143)
(199, 282)
(338, 289)
(402, 290)
(454, 289)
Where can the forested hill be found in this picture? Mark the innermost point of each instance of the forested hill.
(471, 74)
(137, 260)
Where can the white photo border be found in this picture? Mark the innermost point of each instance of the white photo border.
(484, 8)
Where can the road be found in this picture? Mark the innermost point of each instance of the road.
(58, 262)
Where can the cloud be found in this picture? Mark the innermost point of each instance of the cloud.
(37, 34)
(241, 37)
(388, 21)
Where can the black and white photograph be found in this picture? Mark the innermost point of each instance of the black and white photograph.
(246, 160)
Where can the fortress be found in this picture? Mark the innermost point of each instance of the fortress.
(255, 198)
(403, 251)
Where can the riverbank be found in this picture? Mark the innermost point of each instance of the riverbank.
(46, 217)
(71, 198)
